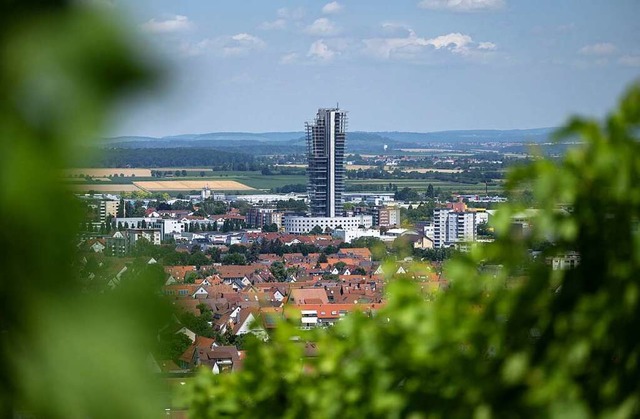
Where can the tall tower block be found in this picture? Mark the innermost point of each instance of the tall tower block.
(326, 137)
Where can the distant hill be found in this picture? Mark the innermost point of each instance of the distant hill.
(357, 141)
(516, 135)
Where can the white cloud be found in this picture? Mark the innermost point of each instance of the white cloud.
(178, 23)
(289, 58)
(462, 5)
(332, 8)
(320, 50)
(242, 43)
(602, 48)
(274, 25)
(236, 45)
(322, 27)
(487, 46)
(456, 42)
(410, 46)
(630, 60)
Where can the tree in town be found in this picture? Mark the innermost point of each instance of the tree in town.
(278, 270)
(430, 192)
(234, 259)
(316, 230)
(270, 228)
(190, 277)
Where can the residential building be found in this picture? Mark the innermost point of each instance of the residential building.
(116, 244)
(153, 235)
(258, 217)
(451, 227)
(326, 137)
(108, 208)
(389, 217)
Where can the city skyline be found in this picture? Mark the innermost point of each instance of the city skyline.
(420, 66)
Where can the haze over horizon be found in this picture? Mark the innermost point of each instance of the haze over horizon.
(413, 66)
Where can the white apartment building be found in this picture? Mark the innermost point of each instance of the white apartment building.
(451, 227)
(153, 235)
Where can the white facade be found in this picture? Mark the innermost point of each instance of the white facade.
(378, 199)
(481, 217)
(450, 227)
(348, 236)
(152, 235)
(374, 198)
(301, 225)
(265, 198)
(170, 227)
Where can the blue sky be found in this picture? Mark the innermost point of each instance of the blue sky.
(418, 65)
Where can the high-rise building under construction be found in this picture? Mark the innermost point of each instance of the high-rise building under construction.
(326, 137)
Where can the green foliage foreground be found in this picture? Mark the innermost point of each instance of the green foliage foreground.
(510, 338)
(63, 353)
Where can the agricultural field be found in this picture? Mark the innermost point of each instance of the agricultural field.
(427, 170)
(101, 187)
(189, 185)
(103, 173)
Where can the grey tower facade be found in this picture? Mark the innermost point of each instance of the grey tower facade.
(326, 137)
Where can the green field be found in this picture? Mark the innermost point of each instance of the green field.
(264, 183)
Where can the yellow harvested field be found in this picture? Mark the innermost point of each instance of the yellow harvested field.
(107, 172)
(189, 185)
(423, 170)
(104, 188)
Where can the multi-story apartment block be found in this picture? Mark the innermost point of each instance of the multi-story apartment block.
(326, 137)
(258, 217)
(452, 227)
(108, 208)
(389, 217)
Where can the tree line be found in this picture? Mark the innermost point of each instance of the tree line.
(175, 157)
